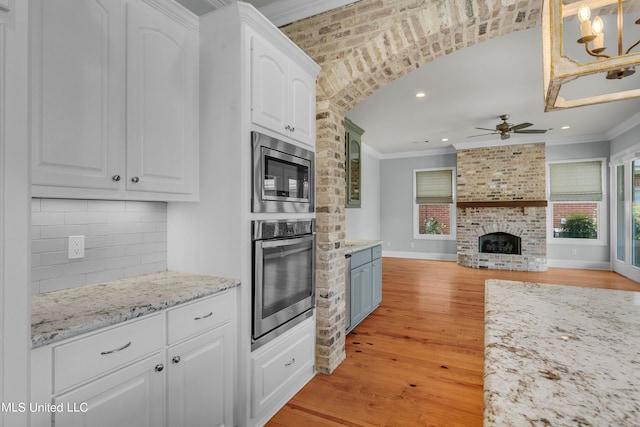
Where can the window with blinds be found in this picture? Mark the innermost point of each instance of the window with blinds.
(434, 186)
(575, 193)
(576, 181)
(434, 214)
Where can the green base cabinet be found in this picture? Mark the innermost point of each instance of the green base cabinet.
(366, 284)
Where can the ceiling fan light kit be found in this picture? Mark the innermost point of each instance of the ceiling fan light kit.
(560, 70)
(505, 129)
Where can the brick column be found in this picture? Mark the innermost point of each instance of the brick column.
(330, 235)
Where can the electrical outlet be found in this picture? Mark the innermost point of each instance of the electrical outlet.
(76, 247)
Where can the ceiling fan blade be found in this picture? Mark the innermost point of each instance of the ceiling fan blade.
(490, 130)
(484, 134)
(520, 126)
(531, 131)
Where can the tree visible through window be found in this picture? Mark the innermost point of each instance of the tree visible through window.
(433, 202)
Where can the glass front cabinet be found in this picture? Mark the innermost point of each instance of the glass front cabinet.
(353, 163)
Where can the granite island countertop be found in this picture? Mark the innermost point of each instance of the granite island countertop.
(561, 355)
(67, 313)
(352, 246)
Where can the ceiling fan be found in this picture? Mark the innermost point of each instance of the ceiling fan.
(505, 129)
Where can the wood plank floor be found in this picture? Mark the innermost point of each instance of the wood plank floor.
(418, 359)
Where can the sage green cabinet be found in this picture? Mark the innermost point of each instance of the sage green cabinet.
(353, 163)
(365, 293)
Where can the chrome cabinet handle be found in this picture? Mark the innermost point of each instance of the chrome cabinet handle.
(176, 359)
(292, 129)
(135, 179)
(204, 317)
(116, 178)
(290, 362)
(115, 350)
(159, 367)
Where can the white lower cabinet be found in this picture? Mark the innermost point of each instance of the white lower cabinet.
(130, 397)
(199, 379)
(280, 369)
(146, 372)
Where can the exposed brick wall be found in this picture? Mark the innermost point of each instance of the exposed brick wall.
(362, 47)
(512, 172)
(507, 173)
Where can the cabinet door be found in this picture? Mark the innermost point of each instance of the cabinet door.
(361, 293)
(302, 105)
(162, 79)
(130, 397)
(376, 281)
(77, 96)
(269, 81)
(199, 382)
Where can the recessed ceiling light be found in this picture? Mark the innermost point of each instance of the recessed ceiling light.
(444, 139)
(420, 95)
(565, 127)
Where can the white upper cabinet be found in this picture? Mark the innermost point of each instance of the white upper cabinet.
(162, 80)
(77, 94)
(282, 93)
(114, 101)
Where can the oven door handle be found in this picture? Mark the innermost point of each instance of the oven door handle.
(286, 241)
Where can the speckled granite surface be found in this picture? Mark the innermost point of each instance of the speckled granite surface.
(561, 355)
(63, 314)
(352, 246)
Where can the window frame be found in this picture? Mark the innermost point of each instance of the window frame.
(603, 223)
(452, 208)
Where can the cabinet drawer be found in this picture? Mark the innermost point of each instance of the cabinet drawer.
(85, 358)
(277, 368)
(360, 257)
(199, 316)
(376, 252)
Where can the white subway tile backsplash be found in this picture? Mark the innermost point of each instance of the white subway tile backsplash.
(63, 205)
(85, 218)
(123, 239)
(53, 231)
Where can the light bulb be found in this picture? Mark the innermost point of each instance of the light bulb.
(584, 12)
(598, 31)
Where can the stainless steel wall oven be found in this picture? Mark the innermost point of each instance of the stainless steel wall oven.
(283, 276)
(283, 176)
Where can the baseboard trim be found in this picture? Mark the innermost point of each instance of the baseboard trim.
(581, 265)
(420, 255)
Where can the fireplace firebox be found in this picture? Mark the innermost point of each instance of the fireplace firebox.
(499, 243)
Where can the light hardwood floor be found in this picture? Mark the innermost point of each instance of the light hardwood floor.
(418, 359)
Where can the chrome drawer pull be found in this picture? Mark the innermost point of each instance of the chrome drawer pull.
(203, 317)
(116, 350)
(290, 362)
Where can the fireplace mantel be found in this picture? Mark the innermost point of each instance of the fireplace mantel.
(503, 204)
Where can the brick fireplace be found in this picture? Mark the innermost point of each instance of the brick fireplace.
(501, 192)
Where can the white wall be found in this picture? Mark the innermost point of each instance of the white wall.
(364, 222)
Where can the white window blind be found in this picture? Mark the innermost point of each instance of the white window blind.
(434, 186)
(576, 181)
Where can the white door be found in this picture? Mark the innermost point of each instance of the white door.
(162, 78)
(626, 218)
(269, 103)
(77, 94)
(130, 397)
(302, 105)
(199, 383)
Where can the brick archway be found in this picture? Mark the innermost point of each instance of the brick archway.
(362, 47)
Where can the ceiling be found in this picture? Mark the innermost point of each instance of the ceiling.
(466, 89)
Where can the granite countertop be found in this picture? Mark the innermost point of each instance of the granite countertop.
(66, 313)
(561, 355)
(352, 246)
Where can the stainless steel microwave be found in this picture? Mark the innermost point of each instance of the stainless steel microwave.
(283, 176)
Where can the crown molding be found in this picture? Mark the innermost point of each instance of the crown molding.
(623, 127)
(284, 12)
(431, 152)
